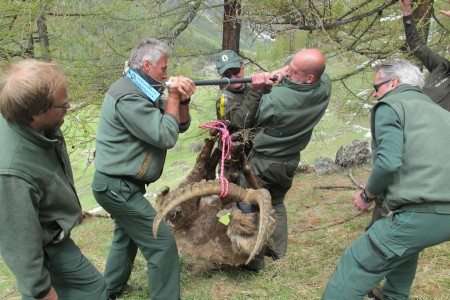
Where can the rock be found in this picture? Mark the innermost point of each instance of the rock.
(304, 169)
(326, 165)
(355, 154)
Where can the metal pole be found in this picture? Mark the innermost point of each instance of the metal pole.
(222, 81)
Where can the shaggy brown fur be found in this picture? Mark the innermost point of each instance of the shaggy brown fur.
(192, 211)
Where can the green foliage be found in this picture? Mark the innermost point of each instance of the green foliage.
(274, 53)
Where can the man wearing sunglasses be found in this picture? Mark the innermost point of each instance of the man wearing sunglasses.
(232, 104)
(410, 169)
(437, 83)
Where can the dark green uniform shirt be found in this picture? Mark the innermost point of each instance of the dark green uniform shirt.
(239, 109)
(38, 202)
(287, 115)
(134, 133)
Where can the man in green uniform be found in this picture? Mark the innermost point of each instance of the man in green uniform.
(437, 83)
(39, 205)
(233, 104)
(409, 132)
(437, 86)
(136, 128)
(285, 120)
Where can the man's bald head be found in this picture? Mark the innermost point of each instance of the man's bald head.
(307, 66)
(313, 61)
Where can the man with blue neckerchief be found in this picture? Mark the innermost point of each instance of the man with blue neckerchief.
(136, 129)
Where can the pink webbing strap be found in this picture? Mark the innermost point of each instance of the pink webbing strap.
(226, 146)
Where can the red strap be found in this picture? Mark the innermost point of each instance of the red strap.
(226, 146)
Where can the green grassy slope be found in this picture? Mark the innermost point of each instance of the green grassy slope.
(322, 223)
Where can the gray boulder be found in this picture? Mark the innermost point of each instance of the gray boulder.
(326, 165)
(355, 154)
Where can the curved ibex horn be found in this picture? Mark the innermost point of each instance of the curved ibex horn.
(261, 197)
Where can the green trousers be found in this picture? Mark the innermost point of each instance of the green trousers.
(277, 178)
(133, 219)
(388, 249)
(72, 274)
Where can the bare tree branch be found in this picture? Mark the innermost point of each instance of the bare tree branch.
(350, 174)
(179, 27)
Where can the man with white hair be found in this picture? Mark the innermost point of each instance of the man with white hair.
(437, 83)
(136, 129)
(409, 132)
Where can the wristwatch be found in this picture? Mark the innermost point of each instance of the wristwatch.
(366, 198)
(185, 102)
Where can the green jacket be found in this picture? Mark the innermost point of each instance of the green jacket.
(437, 83)
(240, 110)
(287, 115)
(411, 160)
(38, 202)
(134, 133)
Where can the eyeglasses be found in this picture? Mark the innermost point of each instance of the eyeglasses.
(65, 106)
(376, 86)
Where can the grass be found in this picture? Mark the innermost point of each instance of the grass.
(322, 223)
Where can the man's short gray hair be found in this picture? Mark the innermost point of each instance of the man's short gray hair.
(151, 50)
(405, 71)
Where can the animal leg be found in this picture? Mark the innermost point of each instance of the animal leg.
(200, 168)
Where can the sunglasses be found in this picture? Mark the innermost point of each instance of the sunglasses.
(376, 86)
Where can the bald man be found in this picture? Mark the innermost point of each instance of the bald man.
(285, 120)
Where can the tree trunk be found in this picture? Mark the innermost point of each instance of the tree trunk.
(422, 15)
(231, 25)
(30, 48)
(43, 36)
